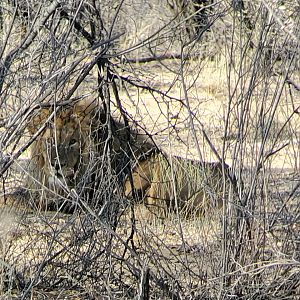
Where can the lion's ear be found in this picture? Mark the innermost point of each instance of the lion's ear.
(37, 121)
(90, 113)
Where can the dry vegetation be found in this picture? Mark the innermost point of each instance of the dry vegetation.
(223, 89)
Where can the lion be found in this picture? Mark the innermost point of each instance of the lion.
(73, 151)
(167, 184)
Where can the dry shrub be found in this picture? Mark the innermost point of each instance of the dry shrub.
(227, 94)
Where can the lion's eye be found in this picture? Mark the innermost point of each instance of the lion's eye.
(72, 142)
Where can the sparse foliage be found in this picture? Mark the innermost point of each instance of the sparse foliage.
(209, 80)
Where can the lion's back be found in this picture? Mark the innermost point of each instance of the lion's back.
(167, 183)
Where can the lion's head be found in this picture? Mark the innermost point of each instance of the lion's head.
(62, 152)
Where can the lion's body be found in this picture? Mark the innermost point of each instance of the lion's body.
(69, 155)
(167, 183)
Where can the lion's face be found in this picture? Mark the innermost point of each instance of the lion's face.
(62, 146)
(62, 151)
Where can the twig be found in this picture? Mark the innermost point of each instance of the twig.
(293, 83)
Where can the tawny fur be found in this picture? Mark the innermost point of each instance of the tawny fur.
(73, 142)
(166, 184)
